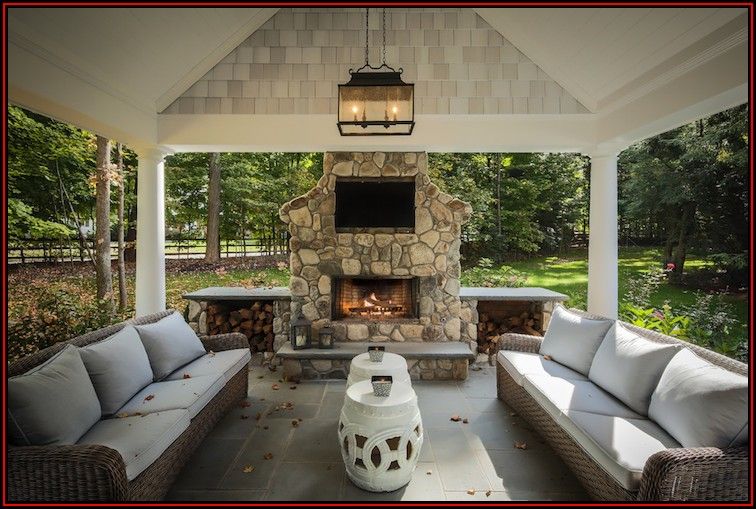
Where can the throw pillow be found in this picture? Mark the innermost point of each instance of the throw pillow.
(53, 403)
(118, 367)
(700, 404)
(170, 343)
(629, 366)
(572, 340)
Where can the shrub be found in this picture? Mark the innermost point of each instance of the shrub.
(485, 274)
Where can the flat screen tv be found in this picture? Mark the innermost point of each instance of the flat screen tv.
(381, 204)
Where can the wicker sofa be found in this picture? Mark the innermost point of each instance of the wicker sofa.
(675, 473)
(94, 472)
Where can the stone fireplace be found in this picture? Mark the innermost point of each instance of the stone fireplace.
(375, 250)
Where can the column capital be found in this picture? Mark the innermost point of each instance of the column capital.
(604, 151)
(152, 153)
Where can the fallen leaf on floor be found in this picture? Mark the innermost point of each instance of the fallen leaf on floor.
(329, 467)
(265, 427)
(268, 456)
(272, 368)
(187, 375)
(471, 492)
(261, 376)
(150, 397)
(245, 404)
(244, 416)
(488, 493)
(262, 399)
(248, 469)
(465, 421)
(299, 419)
(455, 418)
(293, 387)
(512, 414)
(211, 353)
(258, 416)
(295, 423)
(547, 357)
(429, 472)
(280, 381)
(275, 387)
(521, 445)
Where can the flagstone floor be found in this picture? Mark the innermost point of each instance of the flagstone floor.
(476, 461)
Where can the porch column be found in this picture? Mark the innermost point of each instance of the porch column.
(150, 245)
(602, 243)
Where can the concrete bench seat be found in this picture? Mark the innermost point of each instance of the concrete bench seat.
(443, 360)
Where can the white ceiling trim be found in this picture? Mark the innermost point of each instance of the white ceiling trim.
(538, 57)
(36, 43)
(257, 20)
(637, 89)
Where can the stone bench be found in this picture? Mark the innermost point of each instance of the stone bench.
(443, 360)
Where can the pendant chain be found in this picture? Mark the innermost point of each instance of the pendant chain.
(367, 34)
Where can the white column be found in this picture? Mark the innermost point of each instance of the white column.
(150, 245)
(602, 243)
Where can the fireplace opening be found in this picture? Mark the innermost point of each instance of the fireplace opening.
(374, 298)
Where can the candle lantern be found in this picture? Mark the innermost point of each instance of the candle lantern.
(301, 333)
(325, 337)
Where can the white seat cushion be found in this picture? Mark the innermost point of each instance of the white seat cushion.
(140, 440)
(620, 445)
(518, 364)
(228, 363)
(558, 395)
(190, 394)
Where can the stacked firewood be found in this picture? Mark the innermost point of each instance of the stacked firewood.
(489, 330)
(254, 321)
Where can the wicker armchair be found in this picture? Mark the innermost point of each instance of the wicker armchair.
(682, 474)
(86, 473)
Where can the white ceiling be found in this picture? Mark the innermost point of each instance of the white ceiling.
(594, 52)
(140, 54)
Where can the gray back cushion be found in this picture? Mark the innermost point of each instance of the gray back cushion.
(572, 340)
(629, 366)
(53, 403)
(170, 343)
(118, 367)
(700, 404)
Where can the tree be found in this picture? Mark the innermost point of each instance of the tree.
(212, 246)
(104, 276)
(121, 181)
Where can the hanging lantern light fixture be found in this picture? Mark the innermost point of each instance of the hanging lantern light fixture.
(375, 101)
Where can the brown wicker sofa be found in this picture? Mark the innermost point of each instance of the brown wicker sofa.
(73, 473)
(674, 474)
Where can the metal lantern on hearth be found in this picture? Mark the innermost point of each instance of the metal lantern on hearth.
(301, 333)
(375, 101)
(325, 337)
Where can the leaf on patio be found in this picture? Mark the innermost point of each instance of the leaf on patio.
(455, 418)
(244, 404)
(150, 397)
(280, 381)
(488, 493)
(211, 353)
(512, 414)
(261, 376)
(547, 357)
(465, 421)
(248, 469)
(295, 423)
(244, 416)
(265, 427)
(471, 492)
(429, 472)
(268, 456)
(187, 375)
(275, 387)
(258, 416)
(521, 445)
(272, 367)
(293, 387)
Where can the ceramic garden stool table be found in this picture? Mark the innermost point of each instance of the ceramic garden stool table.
(380, 437)
(362, 368)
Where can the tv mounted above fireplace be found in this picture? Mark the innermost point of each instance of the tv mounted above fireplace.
(371, 203)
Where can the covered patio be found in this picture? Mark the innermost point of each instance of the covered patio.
(204, 79)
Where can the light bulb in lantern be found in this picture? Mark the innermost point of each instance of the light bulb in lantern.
(354, 110)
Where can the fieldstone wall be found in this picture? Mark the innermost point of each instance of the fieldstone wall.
(329, 369)
(431, 253)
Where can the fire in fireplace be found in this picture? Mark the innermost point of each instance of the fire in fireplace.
(374, 298)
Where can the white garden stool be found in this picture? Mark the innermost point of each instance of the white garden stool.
(380, 437)
(362, 368)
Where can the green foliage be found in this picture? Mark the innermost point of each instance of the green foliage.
(23, 225)
(660, 320)
(488, 275)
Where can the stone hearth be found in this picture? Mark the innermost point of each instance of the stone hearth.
(429, 251)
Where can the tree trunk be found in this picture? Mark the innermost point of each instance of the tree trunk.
(687, 221)
(130, 251)
(212, 246)
(102, 223)
(122, 296)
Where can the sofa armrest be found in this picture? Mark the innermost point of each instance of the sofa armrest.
(221, 342)
(66, 473)
(519, 342)
(700, 473)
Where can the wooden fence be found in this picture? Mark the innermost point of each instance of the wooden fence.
(69, 250)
